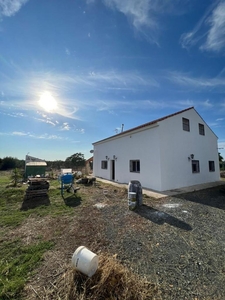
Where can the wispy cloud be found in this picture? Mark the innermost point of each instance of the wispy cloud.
(144, 14)
(185, 79)
(9, 8)
(44, 136)
(31, 85)
(65, 126)
(19, 133)
(67, 51)
(209, 32)
(216, 36)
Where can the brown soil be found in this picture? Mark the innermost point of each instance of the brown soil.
(176, 243)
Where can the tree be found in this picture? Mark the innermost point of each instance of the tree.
(220, 157)
(16, 176)
(8, 162)
(75, 160)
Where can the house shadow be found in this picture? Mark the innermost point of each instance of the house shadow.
(214, 197)
(72, 200)
(160, 217)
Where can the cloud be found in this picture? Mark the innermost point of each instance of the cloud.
(185, 79)
(216, 36)
(9, 8)
(18, 133)
(209, 32)
(29, 85)
(44, 136)
(144, 15)
(67, 51)
(65, 126)
(139, 11)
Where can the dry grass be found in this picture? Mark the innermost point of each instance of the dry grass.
(112, 281)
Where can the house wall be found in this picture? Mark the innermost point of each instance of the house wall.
(176, 145)
(140, 145)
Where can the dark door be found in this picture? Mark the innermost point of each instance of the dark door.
(113, 169)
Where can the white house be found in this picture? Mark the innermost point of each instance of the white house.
(175, 151)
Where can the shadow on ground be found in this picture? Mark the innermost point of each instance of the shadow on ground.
(72, 200)
(160, 217)
(34, 202)
(214, 197)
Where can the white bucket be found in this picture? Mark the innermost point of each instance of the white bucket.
(132, 200)
(85, 261)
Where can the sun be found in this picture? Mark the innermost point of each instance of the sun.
(48, 102)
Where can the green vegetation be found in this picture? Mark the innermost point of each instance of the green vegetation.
(16, 176)
(9, 162)
(73, 161)
(17, 261)
(16, 264)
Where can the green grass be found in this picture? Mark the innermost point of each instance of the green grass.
(16, 265)
(11, 200)
(16, 260)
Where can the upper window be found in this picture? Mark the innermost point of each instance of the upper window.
(195, 166)
(135, 166)
(211, 166)
(201, 129)
(104, 164)
(186, 124)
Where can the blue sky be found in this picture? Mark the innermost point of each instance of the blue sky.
(73, 71)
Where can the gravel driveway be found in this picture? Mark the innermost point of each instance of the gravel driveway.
(176, 242)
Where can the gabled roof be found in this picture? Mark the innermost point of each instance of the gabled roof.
(89, 159)
(146, 124)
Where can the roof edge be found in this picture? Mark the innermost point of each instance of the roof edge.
(145, 125)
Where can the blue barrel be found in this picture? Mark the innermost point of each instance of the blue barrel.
(67, 178)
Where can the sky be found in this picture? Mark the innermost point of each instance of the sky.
(73, 71)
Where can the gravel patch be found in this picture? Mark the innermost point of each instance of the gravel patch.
(177, 242)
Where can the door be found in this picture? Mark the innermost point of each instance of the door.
(112, 169)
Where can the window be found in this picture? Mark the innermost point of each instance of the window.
(135, 166)
(211, 166)
(104, 164)
(201, 129)
(195, 166)
(186, 124)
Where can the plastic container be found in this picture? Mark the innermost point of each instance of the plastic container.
(67, 178)
(132, 200)
(85, 261)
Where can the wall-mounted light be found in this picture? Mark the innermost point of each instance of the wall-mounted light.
(114, 157)
(106, 157)
(191, 156)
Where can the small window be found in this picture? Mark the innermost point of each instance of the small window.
(186, 124)
(201, 129)
(104, 164)
(135, 166)
(195, 166)
(211, 166)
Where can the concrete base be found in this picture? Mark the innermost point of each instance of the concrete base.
(158, 195)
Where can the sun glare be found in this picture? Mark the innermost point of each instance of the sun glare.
(47, 102)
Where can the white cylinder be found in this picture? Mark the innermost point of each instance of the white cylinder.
(85, 261)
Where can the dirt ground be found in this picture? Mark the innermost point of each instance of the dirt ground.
(177, 242)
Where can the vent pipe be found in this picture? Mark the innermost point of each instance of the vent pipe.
(122, 127)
